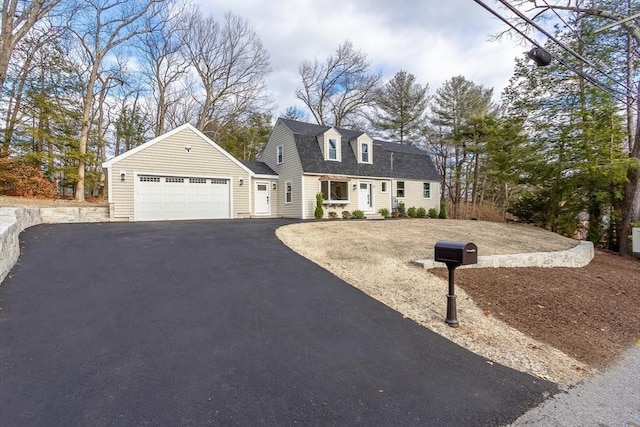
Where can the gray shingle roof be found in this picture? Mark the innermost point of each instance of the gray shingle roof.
(260, 168)
(389, 159)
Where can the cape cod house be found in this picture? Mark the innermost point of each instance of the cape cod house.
(184, 175)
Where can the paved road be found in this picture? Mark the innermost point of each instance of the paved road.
(611, 398)
(217, 322)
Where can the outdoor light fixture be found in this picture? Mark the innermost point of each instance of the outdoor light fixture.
(274, 185)
(241, 181)
(187, 148)
(123, 175)
(355, 187)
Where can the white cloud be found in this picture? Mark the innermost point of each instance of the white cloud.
(432, 39)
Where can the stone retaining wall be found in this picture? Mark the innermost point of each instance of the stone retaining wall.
(579, 256)
(14, 220)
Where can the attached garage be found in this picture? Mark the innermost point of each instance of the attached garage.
(181, 175)
(158, 198)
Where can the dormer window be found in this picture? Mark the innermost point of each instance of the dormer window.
(333, 149)
(364, 153)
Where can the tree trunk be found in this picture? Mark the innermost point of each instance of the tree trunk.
(87, 102)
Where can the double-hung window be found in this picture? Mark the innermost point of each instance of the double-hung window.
(288, 193)
(364, 153)
(333, 149)
(279, 154)
(400, 189)
(426, 190)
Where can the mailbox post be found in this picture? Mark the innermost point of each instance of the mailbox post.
(454, 254)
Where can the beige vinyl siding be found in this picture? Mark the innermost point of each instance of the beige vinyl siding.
(289, 170)
(382, 200)
(413, 194)
(168, 156)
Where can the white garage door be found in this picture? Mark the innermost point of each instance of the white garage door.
(172, 198)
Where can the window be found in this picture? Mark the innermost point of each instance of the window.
(288, 196)
(426, 190)
(334, 191)
(279, 154)
(383, 187)
(333, 149)
(364, 153)
(400, 189)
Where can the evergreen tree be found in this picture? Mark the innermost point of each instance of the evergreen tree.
(401, 107)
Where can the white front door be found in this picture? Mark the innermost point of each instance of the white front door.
(263, 192)
(365, 196)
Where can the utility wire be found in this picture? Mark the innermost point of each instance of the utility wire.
(581, 73)
(561, 44)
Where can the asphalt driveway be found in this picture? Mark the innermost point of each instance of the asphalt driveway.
(217, 322)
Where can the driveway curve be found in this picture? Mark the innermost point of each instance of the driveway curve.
(218, 322)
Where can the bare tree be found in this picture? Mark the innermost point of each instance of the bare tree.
(338, 90)
(18, 18)
(102, 28)
(231, 65)
(166, 63)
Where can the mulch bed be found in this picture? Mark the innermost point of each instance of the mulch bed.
(590, 313)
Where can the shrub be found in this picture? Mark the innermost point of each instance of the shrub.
(421, 212)
(333, 214)
(358, 214)
(319, 212)
(402, 211)
(443, 211)
(433, 213)
(17, 178)
(346, 215)
(411, 212)
(384, 212)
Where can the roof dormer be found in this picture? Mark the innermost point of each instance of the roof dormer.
(331, 145)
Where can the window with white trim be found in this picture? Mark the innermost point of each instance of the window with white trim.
(400, 189)
(426, 190)
(333, 149)
(335, 191)
(383, 187)
(288, 192)
(279, 154)
(364, 152)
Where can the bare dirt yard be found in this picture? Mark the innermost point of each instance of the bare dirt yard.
(561, 324)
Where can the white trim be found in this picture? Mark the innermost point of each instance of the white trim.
(371, 194)
(281, 148)
(404, 189)
(110, 186)
(384, 190)
(302, 197)
(136, 174)
(261, 176)
(268, 184)
(164, 136)
(369, 152)
(426, 198)
(285, 192)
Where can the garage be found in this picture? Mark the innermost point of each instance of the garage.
(160, 198)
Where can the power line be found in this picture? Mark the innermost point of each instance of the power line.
(581, 73)
(562, 45)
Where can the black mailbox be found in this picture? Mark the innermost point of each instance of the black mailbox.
(460, 253)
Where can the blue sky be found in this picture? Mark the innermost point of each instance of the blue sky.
(432, 39)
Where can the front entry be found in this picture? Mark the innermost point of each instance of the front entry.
(365, 196)
(262, 206)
